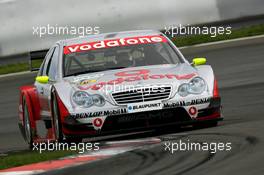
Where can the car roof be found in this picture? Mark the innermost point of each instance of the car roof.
(113, 35)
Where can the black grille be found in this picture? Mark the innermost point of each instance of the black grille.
(143, 94)
(145, 119)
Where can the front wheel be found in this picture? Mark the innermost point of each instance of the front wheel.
(56, 119)
(27, 125)
(56, 122)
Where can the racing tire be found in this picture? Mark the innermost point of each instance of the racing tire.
(56, 122)
(27, 125)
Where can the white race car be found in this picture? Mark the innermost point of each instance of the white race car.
(114, 82)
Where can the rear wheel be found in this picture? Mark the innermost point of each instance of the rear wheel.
(27, 125)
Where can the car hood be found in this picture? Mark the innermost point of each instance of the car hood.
(102, 82)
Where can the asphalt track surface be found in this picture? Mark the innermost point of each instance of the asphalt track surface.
(239, 71)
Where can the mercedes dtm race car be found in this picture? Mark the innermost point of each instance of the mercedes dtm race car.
(114, 82)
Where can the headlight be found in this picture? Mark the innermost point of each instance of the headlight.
(98, 100)
(183, 90)
(83, 99)
(195, 86)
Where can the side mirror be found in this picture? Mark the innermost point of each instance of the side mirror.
(198, 61)
(42, 79)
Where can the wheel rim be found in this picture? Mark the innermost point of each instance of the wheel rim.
(27, 125)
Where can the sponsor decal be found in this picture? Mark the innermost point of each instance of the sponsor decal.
(192, 110)
(98, 122)
(113, 43)
(144, 107)
(129, 108)
(87, 77)
(115, 112)
(135, 75)
(186, 103)
(159, 114)
(87, 115)
(132, 73)
(99, 113)
(133, 108)
(84, 82)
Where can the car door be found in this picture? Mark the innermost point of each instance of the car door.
(44, 90)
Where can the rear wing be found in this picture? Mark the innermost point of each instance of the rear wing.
(36, 55)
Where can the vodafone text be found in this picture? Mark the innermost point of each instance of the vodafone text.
(113, 43)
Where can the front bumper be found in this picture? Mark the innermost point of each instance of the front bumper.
(143, 120)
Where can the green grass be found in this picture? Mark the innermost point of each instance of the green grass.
(179, 41)
(19, 67)
(11, 68)
(28, 157)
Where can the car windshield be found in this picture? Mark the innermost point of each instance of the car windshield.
(119, 57)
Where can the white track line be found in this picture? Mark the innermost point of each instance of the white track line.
(22, 172)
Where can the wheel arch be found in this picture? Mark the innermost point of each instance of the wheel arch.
(63, 111)
(28, 94)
